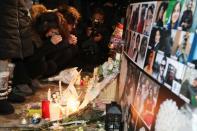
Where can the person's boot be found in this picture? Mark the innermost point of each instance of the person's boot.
(14, 96)
(5, 107)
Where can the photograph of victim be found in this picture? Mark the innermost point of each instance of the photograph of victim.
(189, 86)
(187, 16)
(127, 40)
(161, 40)
(132, 121)
(142, 52)
(122, 76)
(173, 74)
(149, 17)
(134, 16)
(146, 99)
(128, 17)
(127, 97)
(134, 46)
(168, 72)
(182, 43)
(160, 13)
(192, 58)
(172, 14)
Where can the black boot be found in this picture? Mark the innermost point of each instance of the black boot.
(6, 107)
(13, 97)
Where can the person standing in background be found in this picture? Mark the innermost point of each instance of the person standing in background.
(15, 43)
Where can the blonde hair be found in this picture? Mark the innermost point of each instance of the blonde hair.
(36, 10)
(74, 12)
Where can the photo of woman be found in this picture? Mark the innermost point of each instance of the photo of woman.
(140, 25)
(160, 40)
(146, 99)
(128, 39)
(175, 15)
(161, 14)
(135, 17)
(149, 19)
(134, 46)
(150, 57)
(131, 44)
(128, 16)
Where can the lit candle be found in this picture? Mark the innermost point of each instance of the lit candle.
(49, 94)
(72, 104)
(55, 112)
(60, 88)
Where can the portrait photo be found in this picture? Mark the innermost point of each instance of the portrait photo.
(142, 52)
(146, 99)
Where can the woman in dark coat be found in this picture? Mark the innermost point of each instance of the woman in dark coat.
(15, 41)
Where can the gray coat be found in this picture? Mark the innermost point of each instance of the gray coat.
(15, 30)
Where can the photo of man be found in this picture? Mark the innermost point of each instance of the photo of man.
(142, 52)
(174, 72)
(159, 67)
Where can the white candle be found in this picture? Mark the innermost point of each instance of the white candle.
(55, 112)
(49, 94)
(60, 89)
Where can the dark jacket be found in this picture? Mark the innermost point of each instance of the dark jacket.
(15, 30)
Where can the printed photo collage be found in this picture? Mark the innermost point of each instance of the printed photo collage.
(138, 95)
(166, 48)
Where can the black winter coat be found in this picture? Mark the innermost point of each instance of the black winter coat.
(15, 30)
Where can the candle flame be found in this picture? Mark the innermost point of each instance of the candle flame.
(72, 104)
